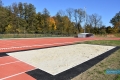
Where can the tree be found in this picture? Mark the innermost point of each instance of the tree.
(59, 23)
(109, 29)
(57, 19)
(76, 19)
(95, 30)
(88, 28)
(9, 29)
(79, 16)
(70, 14)
(1, 4)
(3, 19)
(31, 18)
(22, 18)
(95, 20)
(52, 26)
(20, 9)
(22, 22)
(65, 24)
(102, 30)
(45, 15)
(39, 23)
(115, 21)
(15, 15)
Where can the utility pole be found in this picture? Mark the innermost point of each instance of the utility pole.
(85, 18)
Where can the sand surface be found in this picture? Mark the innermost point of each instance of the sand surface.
(58, 59)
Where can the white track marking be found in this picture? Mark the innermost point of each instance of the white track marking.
(15, 62)
(41, 45)
(16, 74)
(34, 46)
(9, 63)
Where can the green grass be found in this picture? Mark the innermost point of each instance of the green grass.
(97, 72)
(104, 42)
(117, 35)
(118, 77)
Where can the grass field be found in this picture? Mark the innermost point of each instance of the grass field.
(97, 72)
(104, 42)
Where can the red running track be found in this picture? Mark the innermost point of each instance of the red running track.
(24, 44)
(13, 69)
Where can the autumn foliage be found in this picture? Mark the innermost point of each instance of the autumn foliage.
(22, 18)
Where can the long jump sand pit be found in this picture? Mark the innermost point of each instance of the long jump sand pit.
(59, 59)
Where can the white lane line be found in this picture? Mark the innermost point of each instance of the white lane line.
(39, 45)
(15, 61)
(9, 63)
(32, 46)
(16, 74)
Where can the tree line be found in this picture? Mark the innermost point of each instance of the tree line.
(23, 18)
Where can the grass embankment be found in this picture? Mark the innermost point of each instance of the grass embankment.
(97, 72)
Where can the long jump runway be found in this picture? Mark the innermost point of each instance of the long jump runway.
(40, 59)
